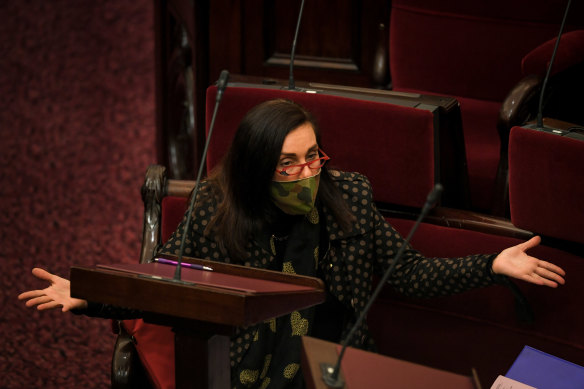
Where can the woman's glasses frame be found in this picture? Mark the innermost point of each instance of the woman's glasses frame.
(318, 161)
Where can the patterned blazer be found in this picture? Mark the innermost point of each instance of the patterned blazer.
(351, 260)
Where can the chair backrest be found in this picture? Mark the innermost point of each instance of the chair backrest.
(473, 51)
(570, 52)
(563, 95)
(173, 211)
(546, 183)
(397, 146)
(469, 49)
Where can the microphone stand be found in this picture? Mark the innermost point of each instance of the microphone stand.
(539, 120)
(221, 85)
(330, 374)
(291, 84)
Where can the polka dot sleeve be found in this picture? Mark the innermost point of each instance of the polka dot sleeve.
(197, 244)
(415, 275)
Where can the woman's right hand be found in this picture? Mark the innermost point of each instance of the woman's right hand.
(57, 294)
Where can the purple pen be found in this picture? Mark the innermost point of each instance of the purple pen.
(184, 264)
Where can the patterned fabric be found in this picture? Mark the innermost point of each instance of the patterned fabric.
(347, 265)
(272, 358)
(295, 197)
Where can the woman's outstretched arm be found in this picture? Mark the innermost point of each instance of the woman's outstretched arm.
(515, 262)
(57, 294)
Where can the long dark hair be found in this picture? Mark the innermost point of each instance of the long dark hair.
(242, 181)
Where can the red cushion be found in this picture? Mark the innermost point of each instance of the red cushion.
(173, 210)
(554, 309)
(457, 332)
(546, 183)
(482, 144)
(155, 346)
(474, 52)
(392, 145)
(154, 343)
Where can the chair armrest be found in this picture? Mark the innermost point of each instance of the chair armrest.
(153, 190)
(460, 219)
(179, 188)
(519, 106)
(127, 370)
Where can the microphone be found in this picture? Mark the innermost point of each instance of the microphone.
(330, 374)
(539, 121)
(221, 85)
(291, 85)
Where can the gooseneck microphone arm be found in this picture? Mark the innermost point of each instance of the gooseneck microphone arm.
(221, 85)
(330, 374)
(291, 84)
(539, 121)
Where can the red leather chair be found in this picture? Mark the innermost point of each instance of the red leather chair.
(388, 137)
(546, 182)
(473, 51)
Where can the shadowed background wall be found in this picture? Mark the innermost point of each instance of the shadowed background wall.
(77, 129)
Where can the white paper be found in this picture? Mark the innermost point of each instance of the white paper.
(503, 382)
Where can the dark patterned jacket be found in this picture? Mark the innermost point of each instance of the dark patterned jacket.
(352, 259)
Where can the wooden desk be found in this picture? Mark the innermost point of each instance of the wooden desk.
(203, 311)
(362, 369)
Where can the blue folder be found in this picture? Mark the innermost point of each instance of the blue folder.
(544, 371)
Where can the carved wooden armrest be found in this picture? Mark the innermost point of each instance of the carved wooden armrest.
(127, 370)
(519, 106)
(153, 190)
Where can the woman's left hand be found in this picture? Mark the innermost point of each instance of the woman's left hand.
(514, 262)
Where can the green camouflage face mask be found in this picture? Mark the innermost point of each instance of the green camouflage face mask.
(295, 197)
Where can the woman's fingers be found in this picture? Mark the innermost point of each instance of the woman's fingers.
(545, 273)
(49, 305)
(550, 275)
(30, 294)
(43, 274)
(38, 300)
(551, 268)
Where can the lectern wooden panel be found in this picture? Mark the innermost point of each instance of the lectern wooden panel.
(362, 369)
(203, 309)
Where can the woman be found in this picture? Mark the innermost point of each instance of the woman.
(273, 204)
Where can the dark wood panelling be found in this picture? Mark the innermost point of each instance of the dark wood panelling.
(181, 30)
(337, 41)
(340, 42)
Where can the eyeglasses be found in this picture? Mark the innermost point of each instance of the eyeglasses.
(294, 170)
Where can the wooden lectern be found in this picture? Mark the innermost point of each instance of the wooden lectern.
(202, 310)
(363, 369)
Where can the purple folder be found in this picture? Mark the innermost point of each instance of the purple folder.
(545, 371)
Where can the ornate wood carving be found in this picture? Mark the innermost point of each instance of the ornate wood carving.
(153, 191)
(182, 77)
